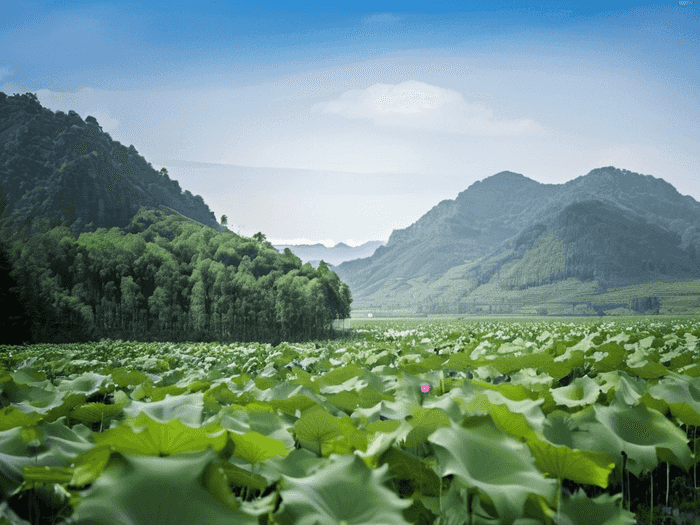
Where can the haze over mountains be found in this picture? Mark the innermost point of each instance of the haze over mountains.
(335, 255)
(611, 226)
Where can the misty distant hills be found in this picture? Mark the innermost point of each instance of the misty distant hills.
(341, 252)
(611, 226)
(59, 168)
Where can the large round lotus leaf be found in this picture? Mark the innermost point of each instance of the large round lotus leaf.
(140, 490)
(644, 435)
(579, 509)
(582, 391)
(344, 492)
(144, 436)
(682, 396)
(581, 466)
(497, 465)
(621, 385)
(517, 418)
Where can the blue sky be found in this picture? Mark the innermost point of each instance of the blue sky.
(361, 116)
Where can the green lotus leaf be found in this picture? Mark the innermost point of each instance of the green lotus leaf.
(96, 412)
(405, 466)
(582, 391)
(290, 397)
(517, 418)
(345, 492)
(255, 447)
(159, 393)
(187, 408)
(626, 388)
(579, 509)
(382, 440)
(425, 421)
(88, 382)
(452, 507)
(340, 375)
(48, 444)
(682, 396)
(434, 362)
(647, 369)
(242, 477)
(144, 436)
(582, 466)
(608, 357)
(124, 378)
(459, 361)
(317, 427)
(532, 379)
(643, 434)
(12, 417)
(26, 375)
(219, 396)
(496, 465)
(89, 465)
(270, 425)
(349, 401)
(139, 490)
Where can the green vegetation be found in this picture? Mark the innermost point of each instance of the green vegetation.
(460, 422)
(511, 246)
(453, 294)
(167, 278)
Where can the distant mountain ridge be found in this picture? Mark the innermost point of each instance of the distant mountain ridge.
(335, 255)
(612, 226)
(60, 168)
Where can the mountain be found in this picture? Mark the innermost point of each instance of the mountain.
(95, 243)
(611, 226)
(341, 252)
(62, 169)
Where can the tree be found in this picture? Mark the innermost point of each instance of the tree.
(224, 220)
(164, 172)
(15, 326)
(260, 237)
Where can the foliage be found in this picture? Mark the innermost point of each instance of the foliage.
(168, 278)
(404, 423)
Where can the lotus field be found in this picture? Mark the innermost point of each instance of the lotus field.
(460, 422)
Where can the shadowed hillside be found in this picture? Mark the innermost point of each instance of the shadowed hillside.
(611, 227)
(59, 168)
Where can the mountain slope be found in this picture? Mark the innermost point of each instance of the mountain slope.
(341, 252)
(610, 226)
(59, 168)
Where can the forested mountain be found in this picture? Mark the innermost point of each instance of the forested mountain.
(341, 252)
(60, 168)
(610, 226)
(164, 270)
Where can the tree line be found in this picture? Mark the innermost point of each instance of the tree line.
(161, 278)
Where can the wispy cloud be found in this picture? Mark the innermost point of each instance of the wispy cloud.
(417, 105)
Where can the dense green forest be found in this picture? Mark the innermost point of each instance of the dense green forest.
(162, 278)
(95, 243)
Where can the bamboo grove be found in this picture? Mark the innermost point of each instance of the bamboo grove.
(164, 278)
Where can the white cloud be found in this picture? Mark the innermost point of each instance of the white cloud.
(417, 105)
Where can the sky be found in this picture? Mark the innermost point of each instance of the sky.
(342, 121)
